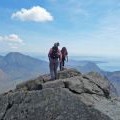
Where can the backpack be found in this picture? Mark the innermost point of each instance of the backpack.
(54, 53)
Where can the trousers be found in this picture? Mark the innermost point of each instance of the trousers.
(53, 65)
(62, 63)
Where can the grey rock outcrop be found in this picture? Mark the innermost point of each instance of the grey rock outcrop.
(48, 104)
(73, 96)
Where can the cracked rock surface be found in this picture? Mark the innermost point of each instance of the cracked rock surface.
(71, 97)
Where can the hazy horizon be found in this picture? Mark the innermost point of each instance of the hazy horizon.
(104, 62)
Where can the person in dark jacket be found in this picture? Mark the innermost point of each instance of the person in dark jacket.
(55, 57)
(64, 58)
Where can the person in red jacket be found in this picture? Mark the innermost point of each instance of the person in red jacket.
(64, 58)
(55, 57)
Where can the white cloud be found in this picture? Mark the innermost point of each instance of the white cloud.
(36, 13)
(12, 38)
(13, 41)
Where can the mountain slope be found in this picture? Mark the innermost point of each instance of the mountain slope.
(85, 66)
(90, 67)
(19, 66)
(114, 77)
(3, 76)
(16, 67)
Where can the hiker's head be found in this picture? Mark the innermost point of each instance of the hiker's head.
(64, 49)
(56, 44)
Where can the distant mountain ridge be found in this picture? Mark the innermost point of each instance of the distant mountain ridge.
(90, 66)
(19, 66)
(16, 67)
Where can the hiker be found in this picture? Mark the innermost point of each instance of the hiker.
(64, 58)
(55, 58)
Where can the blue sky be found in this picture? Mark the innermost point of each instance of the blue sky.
(85, 27)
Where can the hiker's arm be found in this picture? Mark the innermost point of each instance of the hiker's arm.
(67, 58)
(60, 56)
(49, 53)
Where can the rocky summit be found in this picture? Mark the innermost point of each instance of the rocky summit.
(73, 96)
